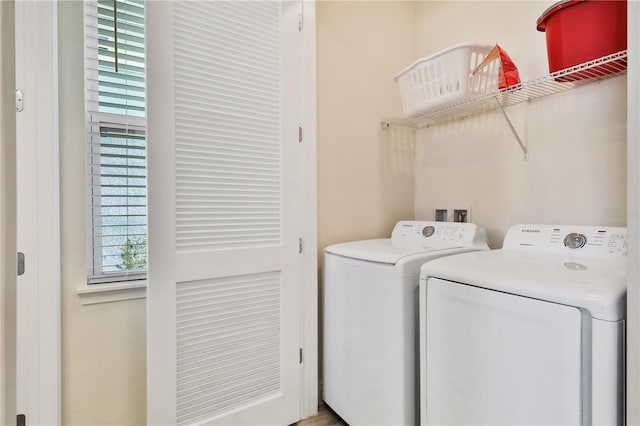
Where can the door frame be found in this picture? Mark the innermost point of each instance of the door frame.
(38, 220)
(310, 263)
(7, 216)
(633, 214)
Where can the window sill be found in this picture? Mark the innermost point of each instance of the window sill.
(112, 292)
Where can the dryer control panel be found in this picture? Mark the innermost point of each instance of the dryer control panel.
(427, 234)
(583, 240)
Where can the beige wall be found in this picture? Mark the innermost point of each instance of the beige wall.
(7, 216)
(365, 176)
(576, 172)
(103, 345)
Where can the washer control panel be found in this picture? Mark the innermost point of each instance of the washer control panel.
(583, 240)
(433, 234)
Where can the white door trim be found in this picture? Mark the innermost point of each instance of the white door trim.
(310, 262)
(38, 371)
(633, 214)
(7, 217)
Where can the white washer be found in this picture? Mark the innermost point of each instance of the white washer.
(530, 334)
(370, 319)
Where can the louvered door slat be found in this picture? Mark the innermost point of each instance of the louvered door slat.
(216, 335)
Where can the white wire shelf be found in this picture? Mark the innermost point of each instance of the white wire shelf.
(560, 81)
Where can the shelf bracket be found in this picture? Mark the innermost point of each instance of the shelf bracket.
(513, 130)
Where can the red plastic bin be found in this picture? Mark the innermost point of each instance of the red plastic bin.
(579, 31)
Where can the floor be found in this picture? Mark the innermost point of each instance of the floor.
(325, 417)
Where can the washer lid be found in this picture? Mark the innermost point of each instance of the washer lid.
(593, 284)
(380, 251)
(413, 238)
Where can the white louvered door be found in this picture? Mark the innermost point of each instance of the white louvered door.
(224, 161)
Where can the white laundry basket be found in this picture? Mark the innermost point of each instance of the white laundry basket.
(445, 78)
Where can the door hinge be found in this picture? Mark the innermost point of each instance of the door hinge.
(19, 98)
(20, 263)
(299, 134)
(300, 355)
(21, 420)
(300, 245)
(300, 22)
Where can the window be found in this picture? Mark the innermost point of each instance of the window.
(115, 113)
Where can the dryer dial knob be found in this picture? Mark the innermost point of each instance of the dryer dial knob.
(575, 240)
(428, 231)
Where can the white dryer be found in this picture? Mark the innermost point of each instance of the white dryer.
(532, 334)
(370, 312)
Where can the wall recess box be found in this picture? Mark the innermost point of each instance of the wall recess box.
(442, 215)
(461, 215)
(453, 215)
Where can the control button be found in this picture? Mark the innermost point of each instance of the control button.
(575, 240)
(428, 231)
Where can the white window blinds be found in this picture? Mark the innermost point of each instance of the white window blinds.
(115, 111)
